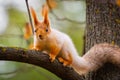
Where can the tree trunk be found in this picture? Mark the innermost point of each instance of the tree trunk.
(103, 25)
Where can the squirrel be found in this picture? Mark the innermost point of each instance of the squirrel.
(56, 43)
(59, 45)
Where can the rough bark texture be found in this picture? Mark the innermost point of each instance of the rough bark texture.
(95, 58)
(39, 59)
(103, 25)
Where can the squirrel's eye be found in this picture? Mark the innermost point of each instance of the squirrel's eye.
(46, 30)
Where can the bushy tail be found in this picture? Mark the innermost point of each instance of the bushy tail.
(80, 65)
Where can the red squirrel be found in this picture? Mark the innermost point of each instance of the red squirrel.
(56, 43)
(59, 45)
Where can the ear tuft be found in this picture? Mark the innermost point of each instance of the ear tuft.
(45, 11)
(33, 13)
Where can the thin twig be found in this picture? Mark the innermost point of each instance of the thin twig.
(30, 18)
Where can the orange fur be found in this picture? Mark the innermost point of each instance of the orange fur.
(37, 47)
(54, 52)
(58, 44)
(45, 11)
(55, 43)
(35, 20)
(66, 62)
(40, 31)
(50, 45)
(28, 31)
(118, 2)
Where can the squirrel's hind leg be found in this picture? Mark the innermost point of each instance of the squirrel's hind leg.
(66, 61)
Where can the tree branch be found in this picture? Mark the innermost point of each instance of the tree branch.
(39, 59)
(95, 58)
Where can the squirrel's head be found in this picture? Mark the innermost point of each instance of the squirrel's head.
(41, 28)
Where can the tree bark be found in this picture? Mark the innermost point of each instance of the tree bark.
(94, 59)
(103, 25)
(39, 59)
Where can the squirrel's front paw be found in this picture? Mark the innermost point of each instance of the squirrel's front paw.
(52, 57)
(34, 48)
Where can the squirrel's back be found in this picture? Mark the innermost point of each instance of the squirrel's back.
(64, 40)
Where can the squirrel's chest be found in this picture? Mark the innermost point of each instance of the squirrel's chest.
(47, 45)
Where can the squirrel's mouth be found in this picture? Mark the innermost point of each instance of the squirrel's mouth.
(41, 38)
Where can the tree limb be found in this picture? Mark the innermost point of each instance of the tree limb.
(39, 59)
(95, 58)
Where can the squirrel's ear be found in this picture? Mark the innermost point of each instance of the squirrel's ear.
(45, 11)
(34, 16)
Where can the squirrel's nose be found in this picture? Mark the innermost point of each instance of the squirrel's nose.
(40, 36)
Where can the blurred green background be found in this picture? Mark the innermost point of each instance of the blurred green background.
(68, 16)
